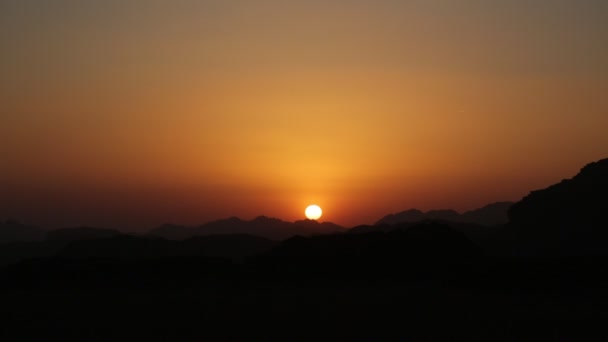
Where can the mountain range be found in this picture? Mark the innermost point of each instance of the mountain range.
(489, 215)
(262, 226)
(12, 231)
(568, 218)
(128, 247)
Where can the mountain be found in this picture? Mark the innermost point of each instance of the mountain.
(20, 242)
(426, 239)
(415, 215)
(568, 218)
(12, 231)
(126, 247)
(426, 247)
(14, 252)
(489, 238)
(489, 215)
(65, 235)
(270, 228)
(172, 232)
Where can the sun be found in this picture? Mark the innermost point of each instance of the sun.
(313, 212)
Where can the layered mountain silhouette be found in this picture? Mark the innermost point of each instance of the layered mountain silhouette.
(12, 231)
(428, 240)
(489, 215)
(486, 237)
(47, 244)
(127, 247)
(432, 272)
(262, 226)
(80, 233)
(568, 218)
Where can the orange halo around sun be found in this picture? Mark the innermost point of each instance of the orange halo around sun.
(313, 212)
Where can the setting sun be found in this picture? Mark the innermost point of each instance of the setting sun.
(313, 212)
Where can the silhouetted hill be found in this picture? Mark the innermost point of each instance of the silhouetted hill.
(81, 233)
(386, 227)
(126, 247)
(262, 226)
(236, 246)
(489, 238)
(14, 252)
(568, 218)
(49, 243)
(172, 232)
(418, 247)
(12, 231)
(490, 215)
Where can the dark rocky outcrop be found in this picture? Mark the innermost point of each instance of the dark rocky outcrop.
(568, 218)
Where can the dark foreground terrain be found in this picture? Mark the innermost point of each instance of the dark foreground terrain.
(314, 311)
(214, 299)
(543, 276)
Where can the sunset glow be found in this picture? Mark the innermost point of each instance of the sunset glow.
(136, 113)
(313, 212)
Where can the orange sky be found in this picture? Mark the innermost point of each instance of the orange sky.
(134, 113)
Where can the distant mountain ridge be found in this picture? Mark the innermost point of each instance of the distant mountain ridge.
(66, 235)
(127, 247)
(13, 231)
(263, 226)
(399, 250)
(489, 215)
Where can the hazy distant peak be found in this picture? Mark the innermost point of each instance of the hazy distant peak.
(80, 233)
(263, 226)
(266, 219)
(232, 219)
(12, 231)
(489, 215)
(315, 222)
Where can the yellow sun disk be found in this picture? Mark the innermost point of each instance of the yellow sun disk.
(313, 212)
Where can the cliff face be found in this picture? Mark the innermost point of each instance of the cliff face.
(568, 218)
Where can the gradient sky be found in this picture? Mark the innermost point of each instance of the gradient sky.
(130, 114)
